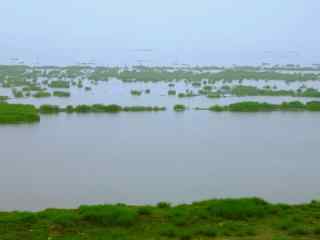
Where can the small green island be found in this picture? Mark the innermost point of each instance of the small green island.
(18, 113)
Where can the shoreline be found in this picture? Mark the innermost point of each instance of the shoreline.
(242, 218)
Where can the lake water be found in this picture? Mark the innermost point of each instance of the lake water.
(140, 158)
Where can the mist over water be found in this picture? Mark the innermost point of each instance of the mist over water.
(200, 32)
(159, 57)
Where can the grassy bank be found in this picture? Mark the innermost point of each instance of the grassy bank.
(18, 113)
(248, 218)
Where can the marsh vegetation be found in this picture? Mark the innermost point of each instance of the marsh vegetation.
(97, 108)
(183, 82)
(61, 94)
(250, 106)
(18, 113)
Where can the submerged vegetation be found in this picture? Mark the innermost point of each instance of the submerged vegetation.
(41, 94)
(59, 84)
(247, 218)
(187, 94)
(61, 94)
(172, 92)
(97, 108)
(17, 94)
(136, 92)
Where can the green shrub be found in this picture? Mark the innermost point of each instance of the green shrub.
(136, 92)
(172, 92)
(185, 234)
(64, 218)
(179, 216)
(145, 210)
(187, 94)
(49, 109)
(217, 108)
(285, 224)
(32, 88)
(82, 109)
(207, 231)
(143, 109)
(196, 84)
(179, 108)
(59, 84)
(169, 231)
(207, 88)
(106, 108)
(3, 98)
(238, 229)
(237, 209)
(251, 107)
(69, 109)
(292, 106)
(163, 205)
(108, 215)
(41, 94)
(313, 106)
(213, 95)
(19, 217)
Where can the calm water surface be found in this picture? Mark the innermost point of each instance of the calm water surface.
(140, 158)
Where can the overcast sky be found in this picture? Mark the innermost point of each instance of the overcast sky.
(178, 31)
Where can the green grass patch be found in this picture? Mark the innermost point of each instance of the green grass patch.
(179, 108)
(18, 113)
(59, 84)
(241, 219)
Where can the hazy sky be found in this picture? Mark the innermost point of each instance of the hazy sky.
(184, 31)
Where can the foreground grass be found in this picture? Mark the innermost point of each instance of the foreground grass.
(248, 218)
